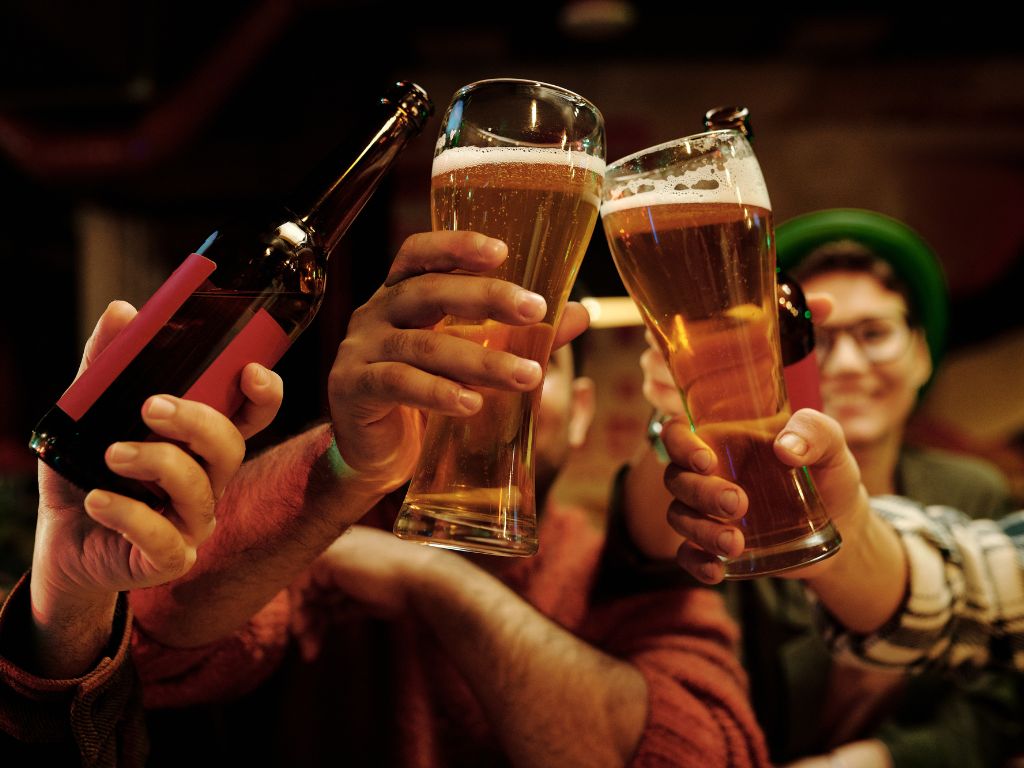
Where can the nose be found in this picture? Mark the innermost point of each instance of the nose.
(845, 357)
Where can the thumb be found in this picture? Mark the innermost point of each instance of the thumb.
(114, 318)
(812, 439)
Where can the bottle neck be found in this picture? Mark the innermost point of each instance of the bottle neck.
(337, 199)
(330, 216)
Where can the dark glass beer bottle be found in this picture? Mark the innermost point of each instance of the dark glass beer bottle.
(800, 368)
(239, 298)
(796, 332)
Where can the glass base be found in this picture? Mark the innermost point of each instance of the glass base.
(442, 528)
(767, 561)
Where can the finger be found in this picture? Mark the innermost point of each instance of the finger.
(651, 341)
(392, 384)
(206, 432)
(445, 252)
(709, 495)
(685, 448)
(114, 318)
(448, 355)
(714, 536)
(420, 302)
(264, 391)
(810, 438)
(653, 365)
(575, 320)
(156, 537)
(700, 564)
(821, 306)
(178, 474)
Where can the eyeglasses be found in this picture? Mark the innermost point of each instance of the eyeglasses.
(880, 339)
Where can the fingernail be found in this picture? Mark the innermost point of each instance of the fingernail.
(469, 399)
(98, 499)
(260, 377)
(711, 571)
(122, 452)
(700, 460)
(527, 371)
(531, 306)
(729, 501)
(161, 408)
(725, 541)
(492, 248)
(793, 443)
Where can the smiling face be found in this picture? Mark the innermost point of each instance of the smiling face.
(871, 400)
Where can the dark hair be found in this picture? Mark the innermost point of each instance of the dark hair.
(851, 256)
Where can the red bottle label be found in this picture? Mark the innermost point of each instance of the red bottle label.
(261, 341)
(803, 383)
(155, 313)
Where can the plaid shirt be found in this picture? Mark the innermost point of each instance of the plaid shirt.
(964, 604)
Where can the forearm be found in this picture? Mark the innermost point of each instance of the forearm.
(69, 630)
(69, 637)
(864, 585)
(963, 601)
(540, 686)
(646, 501)
(281, 510)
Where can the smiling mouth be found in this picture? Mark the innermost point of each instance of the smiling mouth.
(848, 398)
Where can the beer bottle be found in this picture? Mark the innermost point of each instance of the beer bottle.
(800, 368)
(796, 332)
(240, 298)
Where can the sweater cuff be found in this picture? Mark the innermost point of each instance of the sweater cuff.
(87, 710)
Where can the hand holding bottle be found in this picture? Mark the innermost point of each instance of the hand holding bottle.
(82, 561)
(394, 366)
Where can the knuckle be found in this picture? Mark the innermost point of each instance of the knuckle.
(395, 345)
(494, 362)
(366, 383)
(172, 559)
(444, 393)
(498, 294)
(426, 344)
(391, 377)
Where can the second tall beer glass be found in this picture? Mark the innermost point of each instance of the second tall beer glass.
(523, 162)
(690, 228)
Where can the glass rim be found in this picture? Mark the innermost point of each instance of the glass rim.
(615, 166)
(559, 89)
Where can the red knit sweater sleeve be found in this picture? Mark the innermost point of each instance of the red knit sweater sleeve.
(684, 644)
(94, 720)
(179, 677)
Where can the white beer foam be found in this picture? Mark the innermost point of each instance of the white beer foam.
(739, 182)
(457, 158)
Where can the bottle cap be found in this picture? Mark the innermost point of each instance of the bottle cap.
(735, 117)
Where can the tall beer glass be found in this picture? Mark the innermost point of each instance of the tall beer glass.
(523, 162)
(690, 229)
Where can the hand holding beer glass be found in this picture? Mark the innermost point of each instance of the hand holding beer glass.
(523, 162)
(689, 224)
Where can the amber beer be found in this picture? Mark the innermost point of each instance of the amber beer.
(543, 204)
(699, 261)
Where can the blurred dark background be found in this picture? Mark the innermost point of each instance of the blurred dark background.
(128, 130)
